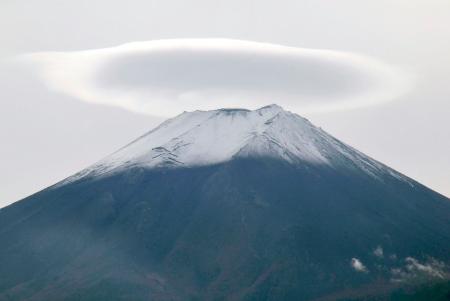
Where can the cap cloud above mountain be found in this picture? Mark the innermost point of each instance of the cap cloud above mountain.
(166, 77)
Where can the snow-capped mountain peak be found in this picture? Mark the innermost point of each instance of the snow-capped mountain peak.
(212, 137)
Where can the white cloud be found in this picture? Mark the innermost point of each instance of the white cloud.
(165, 77)
(358, 265)
(433, 268)
(378, 252)
(414, 270)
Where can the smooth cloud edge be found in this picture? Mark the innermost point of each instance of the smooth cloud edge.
(60, 72)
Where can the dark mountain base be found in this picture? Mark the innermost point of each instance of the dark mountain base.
(244, 230)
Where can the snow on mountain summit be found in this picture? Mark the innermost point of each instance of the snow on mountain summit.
(211, 137)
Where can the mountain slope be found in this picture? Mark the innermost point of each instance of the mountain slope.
(272, 208)
(211, 137)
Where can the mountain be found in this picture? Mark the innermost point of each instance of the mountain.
(229, 204)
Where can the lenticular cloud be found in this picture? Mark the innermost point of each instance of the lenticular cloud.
(165, 77)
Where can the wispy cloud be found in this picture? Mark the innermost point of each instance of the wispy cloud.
(378, 252)
(165, 77)
(414, 270)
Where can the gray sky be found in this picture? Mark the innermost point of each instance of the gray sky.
(46, 135)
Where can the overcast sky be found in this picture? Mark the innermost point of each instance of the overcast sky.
(47, 135)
